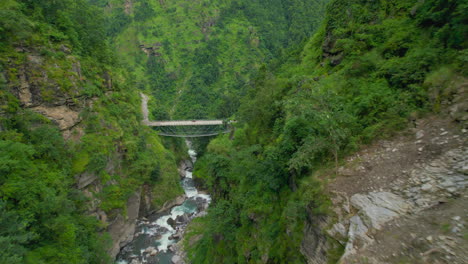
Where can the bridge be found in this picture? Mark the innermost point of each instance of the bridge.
(185, 128)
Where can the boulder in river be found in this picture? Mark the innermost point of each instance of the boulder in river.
(175, 236)
(182, 218)
(135, 261)
(176, 259)
(169, 204)
(149, 249)
(171, 222)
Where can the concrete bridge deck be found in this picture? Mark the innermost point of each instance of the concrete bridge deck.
(184, 123)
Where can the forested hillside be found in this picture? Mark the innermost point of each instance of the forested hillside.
(72, 151)
(310, 82)
(372, 67)
(196, 58)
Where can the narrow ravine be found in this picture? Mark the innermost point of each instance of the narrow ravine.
(155, 236)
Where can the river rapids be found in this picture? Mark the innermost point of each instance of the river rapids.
(155, 236)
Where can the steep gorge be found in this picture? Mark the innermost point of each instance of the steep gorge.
(327, 115)
(373, 69)
(76, 162)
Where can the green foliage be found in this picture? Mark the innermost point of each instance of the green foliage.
(370, 66)
(44, 219)
(13, 235)
(60, 50)
(205, 53)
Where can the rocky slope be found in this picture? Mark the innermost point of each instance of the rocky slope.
(402, 200)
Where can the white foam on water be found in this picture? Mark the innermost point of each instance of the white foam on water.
(165, 242)
(150, 231)
(204, 197)
(160, 226)
(193, 155)
(191, 192)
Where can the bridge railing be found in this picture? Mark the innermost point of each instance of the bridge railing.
(174, 128)
(186, 123)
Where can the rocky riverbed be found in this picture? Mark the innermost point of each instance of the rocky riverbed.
(156, 236)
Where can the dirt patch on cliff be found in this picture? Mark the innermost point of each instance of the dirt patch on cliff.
(426, 167)
(381, 164)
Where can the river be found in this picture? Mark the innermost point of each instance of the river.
(155, 236)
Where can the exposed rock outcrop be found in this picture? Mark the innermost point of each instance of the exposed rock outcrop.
(169, 204)
(65, 118)
(152, 50)
(405, 181)
(377, 208)
(314, 244)
(145, 202)
(122, 228)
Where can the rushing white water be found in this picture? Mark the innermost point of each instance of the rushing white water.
(193, 155)
(154, 237)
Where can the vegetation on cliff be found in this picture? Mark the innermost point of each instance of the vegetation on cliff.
(57, 68)
(305, 92)
(197, 58)
(370, 68)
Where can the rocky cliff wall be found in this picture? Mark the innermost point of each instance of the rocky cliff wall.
(397, 200)
(55, 90)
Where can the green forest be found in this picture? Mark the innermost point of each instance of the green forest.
(308, 81)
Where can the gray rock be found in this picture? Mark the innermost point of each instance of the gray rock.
(452, 190)
(176, 259)
(182, 218)
(378, 208)
(419, 134)
(459, 178)
(314, 245)
(338, 229)
(427, 187)
(169, 204)
(149, 249)
(455, 229)
(422, 202)
(357, 234)
(429, 239)
(463, 169)
(171, 222)
(86, 179)
(447, 183)
(122, 228)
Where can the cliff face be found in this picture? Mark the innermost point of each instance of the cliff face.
(74, 155)
(404, 199)
(36, 90)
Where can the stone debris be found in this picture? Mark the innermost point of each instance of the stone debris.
(420, 134)
(427, 185)
(135, 261)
